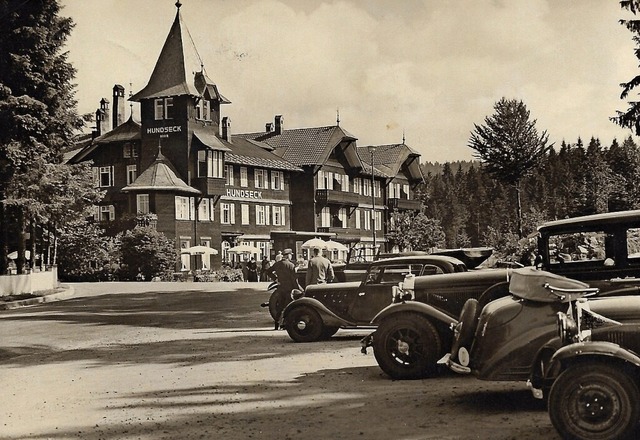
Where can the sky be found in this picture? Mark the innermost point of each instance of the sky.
(427, 70)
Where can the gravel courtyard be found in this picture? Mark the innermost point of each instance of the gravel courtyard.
(202, 361)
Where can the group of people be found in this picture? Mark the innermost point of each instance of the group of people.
(319, 271)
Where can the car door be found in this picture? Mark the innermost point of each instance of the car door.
(376, 291)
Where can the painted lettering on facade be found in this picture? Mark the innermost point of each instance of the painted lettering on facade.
(243, 193)
(164, 130)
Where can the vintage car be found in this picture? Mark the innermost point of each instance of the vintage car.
(593, 378)
(415, 331)
(322, 309)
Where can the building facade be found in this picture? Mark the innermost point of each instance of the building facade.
(182, 170)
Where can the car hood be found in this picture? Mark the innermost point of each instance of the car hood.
(622, 308)
(482, 276)
(331, 287)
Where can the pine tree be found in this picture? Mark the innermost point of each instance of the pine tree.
(38, 115)
(509, 146)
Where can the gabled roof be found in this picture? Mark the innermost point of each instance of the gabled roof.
(160, 176)
(256, 154)
(125, 132)
(179, 69)
(304, 146)
(389, 160)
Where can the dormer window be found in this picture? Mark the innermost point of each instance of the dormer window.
(129, 150)
(163, 108)
(203, 110)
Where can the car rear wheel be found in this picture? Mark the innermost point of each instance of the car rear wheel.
(407, 346)
(277, 302)
(594, 401)
(304, 324)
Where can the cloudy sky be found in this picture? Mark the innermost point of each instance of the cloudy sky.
(427, 68)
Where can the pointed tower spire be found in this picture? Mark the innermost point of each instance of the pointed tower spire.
(176, 66)
(338, 116)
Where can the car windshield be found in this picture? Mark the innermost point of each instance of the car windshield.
(395, 273)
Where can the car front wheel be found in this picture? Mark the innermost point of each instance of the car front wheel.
(304, 324)
(594, 401)
(407, 346)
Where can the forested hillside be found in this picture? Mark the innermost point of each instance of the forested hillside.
(475, 209)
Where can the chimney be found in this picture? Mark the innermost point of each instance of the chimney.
(279, 124)
(118, 105)
(268, 127)
(102, 117)
(226, 129)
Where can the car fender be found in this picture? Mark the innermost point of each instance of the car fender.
(328, 317)
(415, 307)
(590, 349)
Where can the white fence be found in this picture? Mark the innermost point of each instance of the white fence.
(29, 283)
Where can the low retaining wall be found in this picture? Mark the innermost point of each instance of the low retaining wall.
(29, 283)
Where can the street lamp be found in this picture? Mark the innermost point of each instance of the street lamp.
(372, 150)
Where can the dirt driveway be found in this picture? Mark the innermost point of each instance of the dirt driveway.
(201, 361)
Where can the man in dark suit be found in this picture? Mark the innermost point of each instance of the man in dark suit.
(283, 271)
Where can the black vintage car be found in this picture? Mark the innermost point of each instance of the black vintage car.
(593, 379)
(322, 309)
(416, 331)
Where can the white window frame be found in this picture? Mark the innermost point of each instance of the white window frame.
(244, 177)
(357, 185)
(261, 178)
(278, 215)
(244, 211)
(110, 211)
(182, 208)
(345, 183)
(228, 213)
(325, 217)
(407, 191)
(277, 180)
(261, 213)
(366, 187)
(142, 203)
(343, 217)
(163, 108)
(367, 219)
(210, 163)
(204, 207)
(358, 218)
(132, 174)
(378, 220)
(228, 172)
(105, 171)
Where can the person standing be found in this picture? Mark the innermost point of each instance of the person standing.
(252, 270)
(283, 271)
(264, 268)
(319, 270)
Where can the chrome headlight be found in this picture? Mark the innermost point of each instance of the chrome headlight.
(401, 293)
(567, 328)
(296, 294)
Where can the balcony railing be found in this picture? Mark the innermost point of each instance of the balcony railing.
(333, 197)
(209, 186)
(404, 204)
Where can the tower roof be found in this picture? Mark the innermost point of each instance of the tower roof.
(176, 67)
(160, 176)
